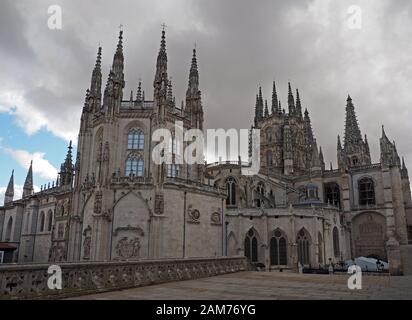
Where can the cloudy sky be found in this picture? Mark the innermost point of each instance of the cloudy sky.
(315, 44)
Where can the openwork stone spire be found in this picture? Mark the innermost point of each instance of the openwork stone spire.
(291, 101)
(298, 105)
(352, 132)
(274, 100)
(194, 109)
(95, 94)
(66, 169)
(161, 77)
(118, 60)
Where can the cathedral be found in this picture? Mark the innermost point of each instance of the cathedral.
(112, 202)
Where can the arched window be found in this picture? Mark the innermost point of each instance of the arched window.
(173, 170)
(49, 220)
(251, 245)
(332, 194)
(320, 248)
(336, 249)
(260, 190)
(303, 242)
(42, 218)
(135, 139)
(366, 192)
(134, 166)
(278, 249)
(9, 229)
(269, 135)
(231, 191)
(174, 146)
(269, 160)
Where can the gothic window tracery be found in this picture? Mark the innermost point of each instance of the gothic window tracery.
(42, 219)
(336, 249)
(251, 245)
(231, 191)
(366, 191)
(135, 139)
(49, 220)
(303, 242)
(332, 194)
(278, 249)
(320, 248)
(260, 190)
(134, 166)
(173, 170)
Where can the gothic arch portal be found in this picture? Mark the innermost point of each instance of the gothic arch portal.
(369, 235)
(130, 239)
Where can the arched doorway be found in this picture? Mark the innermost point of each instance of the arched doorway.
(369, 235)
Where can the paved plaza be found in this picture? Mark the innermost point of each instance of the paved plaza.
(269, 285)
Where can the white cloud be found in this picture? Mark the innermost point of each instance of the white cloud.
(18, 192)
(41, 166)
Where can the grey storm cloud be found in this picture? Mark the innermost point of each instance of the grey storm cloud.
(241, 45)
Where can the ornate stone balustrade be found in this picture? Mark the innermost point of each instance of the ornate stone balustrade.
(30, 281)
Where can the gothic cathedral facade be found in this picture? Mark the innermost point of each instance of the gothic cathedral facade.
(116, 203)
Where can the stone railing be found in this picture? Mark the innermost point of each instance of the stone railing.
(30, 281)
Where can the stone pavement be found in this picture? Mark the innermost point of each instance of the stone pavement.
(268, 285)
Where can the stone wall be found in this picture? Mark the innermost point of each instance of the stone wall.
(30, 281)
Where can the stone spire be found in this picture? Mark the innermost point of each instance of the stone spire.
(266, 109)
(404, 170)
(161, 82)
(194, 107)
(321, 159)
(274, 100)
(259, 106)
(139, 97)
(298, 105)
(280, 108)
(291, 101)
(315, 161)
(339, 143)
(352, 132)
(66, 169)
(355, 150)
(389, 154)
(161, 78)
(9, 195)
(308, 128)
(367, 144)
(193, 86)
(28, 183)
(118, 60)
(95, 94)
